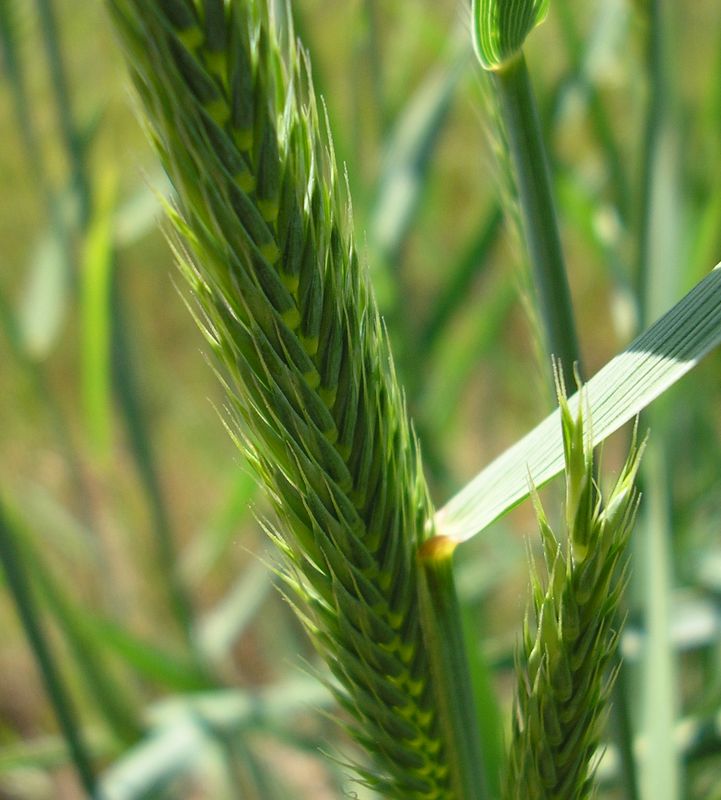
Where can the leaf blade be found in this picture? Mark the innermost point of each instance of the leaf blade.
(652, 363)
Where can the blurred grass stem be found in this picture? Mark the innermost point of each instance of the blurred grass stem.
(141, 447)
(72, 139)
(599, 118)
(455, 292)
(19, 586)
(661, 769)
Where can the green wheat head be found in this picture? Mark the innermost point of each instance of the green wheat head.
(267, 248)
(567, 646)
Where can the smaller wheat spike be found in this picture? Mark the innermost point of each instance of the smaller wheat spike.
(569, 639)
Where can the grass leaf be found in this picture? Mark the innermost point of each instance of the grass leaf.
(500, 28)
(44, 301)
(627, 384)
(21, 590)
(96, 288)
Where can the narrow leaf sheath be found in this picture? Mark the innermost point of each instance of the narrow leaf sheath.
(265, 244)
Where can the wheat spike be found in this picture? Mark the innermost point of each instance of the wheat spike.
(569, 639)
(267, 248)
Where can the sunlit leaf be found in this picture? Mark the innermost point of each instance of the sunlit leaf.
(625, 386)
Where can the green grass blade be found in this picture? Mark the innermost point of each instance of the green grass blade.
(36, 375)
(70, 135)
(616, 394)
(458, 351)
(403, 180)
(127, 393)
(19, 585)
(116, 704)
(168, 670)
(455, 290)
(407, 157)
(96, 283)
(50, 752)
(702, 232)
(12, 30)
(371, 51)
(248, 777)
(659, 768)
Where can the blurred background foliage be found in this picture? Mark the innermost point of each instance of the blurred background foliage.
(131, 517)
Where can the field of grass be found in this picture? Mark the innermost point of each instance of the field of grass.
(136, 568)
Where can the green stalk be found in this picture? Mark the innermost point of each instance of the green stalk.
(661, 767)
(72, 139)
(367, 60)
(125, 384)
(41, 388)
(520, 115)
(661, 771)
(113, 701)
(652, 138)
(601, 123)
(15, 74)
(622, 727)
(141, 446)
(537, 205)
(375, 58)
(458, 286)
(19, 586)
(443, 633)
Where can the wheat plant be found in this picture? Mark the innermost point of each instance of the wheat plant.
(569, 639)
(267, 248)
(264, 239)
(260, 221)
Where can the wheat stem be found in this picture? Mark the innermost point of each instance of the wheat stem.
(528, 153)
(443, 632)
